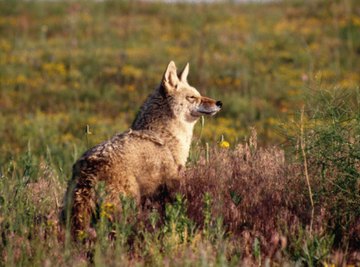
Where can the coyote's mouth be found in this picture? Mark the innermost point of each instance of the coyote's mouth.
(200, 112)
(208, 112)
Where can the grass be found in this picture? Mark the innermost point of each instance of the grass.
(72, 73)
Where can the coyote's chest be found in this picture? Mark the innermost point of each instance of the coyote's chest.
(184, 148)
(181, 144)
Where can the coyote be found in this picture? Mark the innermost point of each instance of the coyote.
(149, 155)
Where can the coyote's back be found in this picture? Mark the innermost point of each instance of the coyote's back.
(138, 161)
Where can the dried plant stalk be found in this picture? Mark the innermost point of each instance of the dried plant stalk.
(303, 146)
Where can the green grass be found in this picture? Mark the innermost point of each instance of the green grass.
(66, 65)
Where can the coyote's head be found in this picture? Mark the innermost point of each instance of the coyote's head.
(184, 100)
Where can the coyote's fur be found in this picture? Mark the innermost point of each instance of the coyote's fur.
(135, 163)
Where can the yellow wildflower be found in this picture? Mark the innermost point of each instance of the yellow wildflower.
(224, 144)
(131, 71)
(106, 210)
(108, 206)
(130, 87)
(81, 235)
(54, 69)
(5, 45)
(356, 21)
(21, 79)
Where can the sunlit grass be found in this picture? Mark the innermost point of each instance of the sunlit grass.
(68, 69)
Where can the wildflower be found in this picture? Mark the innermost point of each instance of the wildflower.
(131, 71)
(224, 144)
(81, 235)
(108, 206)
(304, 77)
(54, 69)
(5, 45)
(130, 87)
(356, 21)
(20, 79)
(106, 210)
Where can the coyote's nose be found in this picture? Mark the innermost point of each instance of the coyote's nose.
(219, 104)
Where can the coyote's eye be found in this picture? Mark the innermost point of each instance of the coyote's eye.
(191, 98)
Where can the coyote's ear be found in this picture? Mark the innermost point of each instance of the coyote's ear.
(184, 73)
(170, 79)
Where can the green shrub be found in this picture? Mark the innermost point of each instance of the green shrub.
(332, 137)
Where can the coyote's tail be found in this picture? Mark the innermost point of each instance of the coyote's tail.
(79, 205)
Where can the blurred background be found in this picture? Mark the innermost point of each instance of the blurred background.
(66, 65)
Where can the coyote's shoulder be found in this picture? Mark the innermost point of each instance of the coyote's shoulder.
(114, 147)
(135, 163)
(104, 155)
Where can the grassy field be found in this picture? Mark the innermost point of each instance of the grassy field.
(285, 192)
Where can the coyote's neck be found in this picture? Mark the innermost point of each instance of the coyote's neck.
(157, 116)
(178, 138)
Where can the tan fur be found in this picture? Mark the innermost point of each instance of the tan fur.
(136, 162)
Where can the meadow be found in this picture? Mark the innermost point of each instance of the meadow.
(272, 180)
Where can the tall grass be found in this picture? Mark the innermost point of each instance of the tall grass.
(68, 65)
(247, 205)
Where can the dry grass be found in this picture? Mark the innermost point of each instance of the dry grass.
(245, 205)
